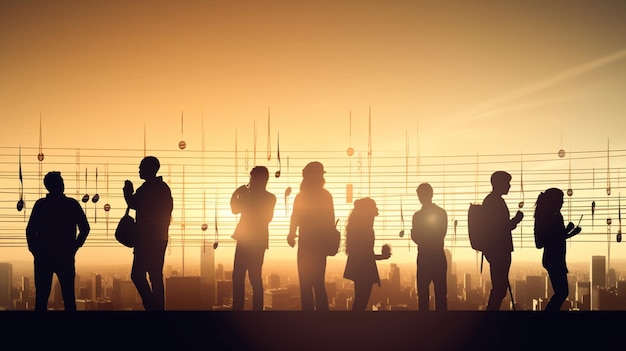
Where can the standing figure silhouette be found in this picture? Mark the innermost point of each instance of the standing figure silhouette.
(313, 215)
(361, 264)
(551, 234)
(428, 231)
(153, 206)
(500, 244)
(256, 206)
(51, 237)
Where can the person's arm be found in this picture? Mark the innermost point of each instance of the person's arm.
(128, 194)
(83, 227)
(268, 208)
(236, 203)
(294, 222)
(415, 230)
(32, 228)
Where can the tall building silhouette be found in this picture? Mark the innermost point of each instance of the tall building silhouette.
(208, 279)
(6, 279)
(598, 280)
(535, 290)
(96, 287)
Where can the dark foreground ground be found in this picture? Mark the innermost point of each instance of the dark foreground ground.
(226, 330)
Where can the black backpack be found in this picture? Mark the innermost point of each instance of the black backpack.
(477, 226)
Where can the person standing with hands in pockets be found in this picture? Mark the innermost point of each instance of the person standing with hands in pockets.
(153, 206)
(256, 206)
(551, 234)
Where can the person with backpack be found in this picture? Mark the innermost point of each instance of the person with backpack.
(551, 234)
(498, 248)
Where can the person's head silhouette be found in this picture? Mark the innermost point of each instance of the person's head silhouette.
(54, 182)
(501, 182)
(425, 193)
(149, 167)
(259, 177)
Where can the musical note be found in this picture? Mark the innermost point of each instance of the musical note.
(95, 199)
(350, 150)
(181, 144)
(85, 198)
(608, 171)
(269, 142)
(216, 242)
(619, 216)
(20, 202)
(521, 180)
(280, 166)
(107, 206)
(401, 234)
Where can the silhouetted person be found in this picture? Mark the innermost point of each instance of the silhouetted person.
(52, 239)
(551, 234)
(256, 206)
(313, 214)
(153, 206)
(361, 264)
(429, 227)
(500, 244)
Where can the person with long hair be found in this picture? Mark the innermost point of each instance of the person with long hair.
(361, 264)
(551, 234)
(313, 215)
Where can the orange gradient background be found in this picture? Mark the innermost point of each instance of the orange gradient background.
(453, 91)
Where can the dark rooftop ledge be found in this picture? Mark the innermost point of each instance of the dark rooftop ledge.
(336, 330)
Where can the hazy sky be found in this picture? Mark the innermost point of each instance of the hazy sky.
(474, 77)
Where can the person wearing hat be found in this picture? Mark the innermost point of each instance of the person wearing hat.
(313, 215)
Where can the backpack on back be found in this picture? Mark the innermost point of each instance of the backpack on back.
(477, 226)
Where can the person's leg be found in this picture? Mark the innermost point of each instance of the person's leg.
(66, 273)
(239, 276)
(423, 293)
(561, 290)
(138, 276)
(362, 292)
(255, 275)
(319, 283)
(155, 272)
(305, 279)
(43, 284)
(440, 283)
(499, 265)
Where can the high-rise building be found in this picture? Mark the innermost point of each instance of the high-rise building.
(96, 287)
(208, 276)
(598, 280)
(6, 279)
(183, 293)
(598, 271)
(124, 295)
(535, 290)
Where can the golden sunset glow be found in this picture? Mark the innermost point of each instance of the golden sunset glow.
(438, 92)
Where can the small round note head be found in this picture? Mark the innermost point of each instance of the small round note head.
(401, 234)
(277, 174)
(182, 145)
(85, 198)
(20, 205)
(95, 198)
(350, 151)
(570, 192)
(40, 156)
(107, 207)
(561, 153)
(215, 245)
(204, 226)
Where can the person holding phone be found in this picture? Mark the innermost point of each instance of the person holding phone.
(551, 234)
